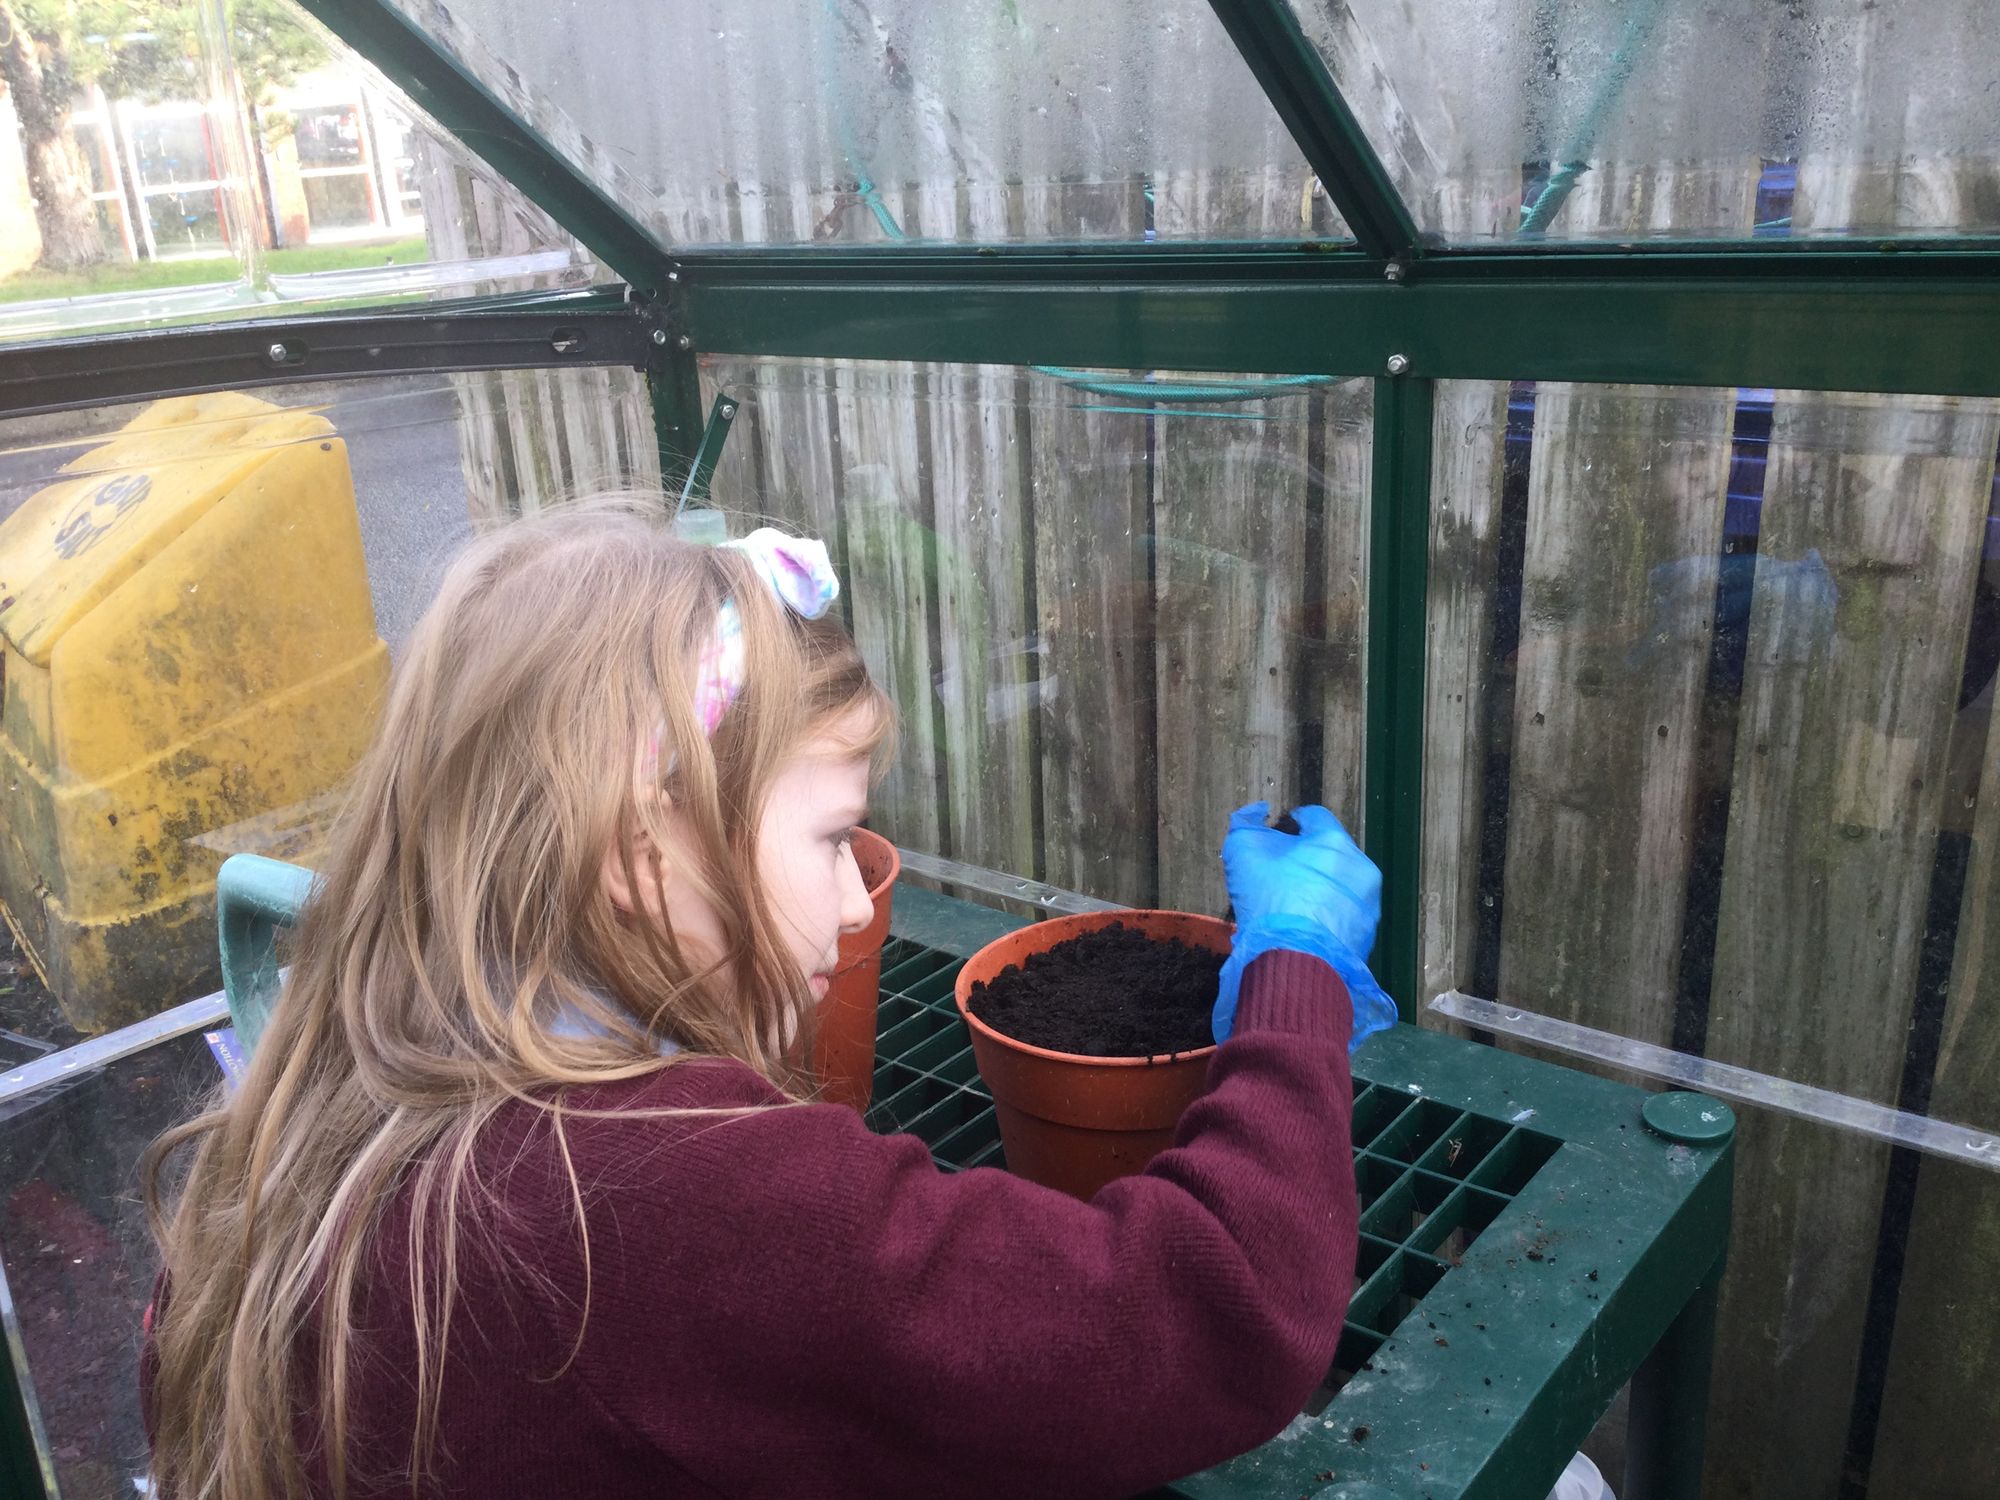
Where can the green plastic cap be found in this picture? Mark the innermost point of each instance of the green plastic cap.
(1690, 1119)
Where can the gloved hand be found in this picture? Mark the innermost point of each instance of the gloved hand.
(1309, 892)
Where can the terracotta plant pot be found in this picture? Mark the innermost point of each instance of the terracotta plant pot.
(1073, 1122)
(845, 1055)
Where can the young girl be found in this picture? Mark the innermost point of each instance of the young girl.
(524, 1193)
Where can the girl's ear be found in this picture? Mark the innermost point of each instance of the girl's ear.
(617, 884)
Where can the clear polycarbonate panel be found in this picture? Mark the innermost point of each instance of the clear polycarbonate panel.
(78, 1258)
(1592, 120)
(1711, 742)
(1711, 766)
(1110, 606)
(843, 121)
(251, 166)
(200, 600)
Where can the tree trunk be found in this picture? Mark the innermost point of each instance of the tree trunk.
(58, 176)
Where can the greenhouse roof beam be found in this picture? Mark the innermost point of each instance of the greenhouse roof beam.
(1921, 321)
(1102, 263)
(538, 331)
(1295, 78)
(1907, 325)
(460, 103)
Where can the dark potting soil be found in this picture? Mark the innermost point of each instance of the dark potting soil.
(1110, 993)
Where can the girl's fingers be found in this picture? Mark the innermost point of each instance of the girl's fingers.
(1249, 816)
(1316, 822)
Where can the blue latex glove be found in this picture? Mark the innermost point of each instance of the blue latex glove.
(1314, 892)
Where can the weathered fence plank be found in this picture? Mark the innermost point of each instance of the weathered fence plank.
(1229, 564)
(1232, 484)
(1944, 1365)
(1873, 509)
(891, 570)
(1092, 519)
(456, 203)
(1625, 505)
(1626, 494)
(736, 486)
(987, 665)
(1336, 632)
(1448, 140)
(529, 438)
(1466, 473)
(1092, 515)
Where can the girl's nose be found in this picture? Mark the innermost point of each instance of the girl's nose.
(856, 910)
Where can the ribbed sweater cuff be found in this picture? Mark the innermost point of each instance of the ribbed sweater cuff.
(1295, 992)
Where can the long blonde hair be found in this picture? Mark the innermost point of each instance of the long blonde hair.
(543, 703)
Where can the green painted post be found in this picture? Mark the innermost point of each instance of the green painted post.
(1666, 1438)
(1668, 1427)
(674, 382)
(1398, 582)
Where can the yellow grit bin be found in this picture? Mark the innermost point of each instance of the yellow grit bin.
(188, 645)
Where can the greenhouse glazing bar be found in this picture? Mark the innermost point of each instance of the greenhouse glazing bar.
(1295, 79)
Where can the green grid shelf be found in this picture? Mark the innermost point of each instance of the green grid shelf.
(1431, 1178)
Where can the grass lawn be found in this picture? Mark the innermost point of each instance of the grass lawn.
(152, 275)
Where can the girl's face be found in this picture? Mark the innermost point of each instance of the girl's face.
(805, 854)
(805, 863)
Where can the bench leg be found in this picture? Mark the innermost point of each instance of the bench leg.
(1669, 1421)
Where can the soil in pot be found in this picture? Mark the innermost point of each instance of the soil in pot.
(1114, 992)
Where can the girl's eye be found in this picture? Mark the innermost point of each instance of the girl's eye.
(843, 838)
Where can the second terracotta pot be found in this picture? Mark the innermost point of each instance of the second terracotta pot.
(844, 1057)
(1074, 1122)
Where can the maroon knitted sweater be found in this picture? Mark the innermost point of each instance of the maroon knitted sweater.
(784, 1304)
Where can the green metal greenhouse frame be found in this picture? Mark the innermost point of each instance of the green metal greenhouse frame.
(1912, 316)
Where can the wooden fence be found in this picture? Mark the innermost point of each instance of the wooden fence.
(1710, 778)
(1107, 622)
